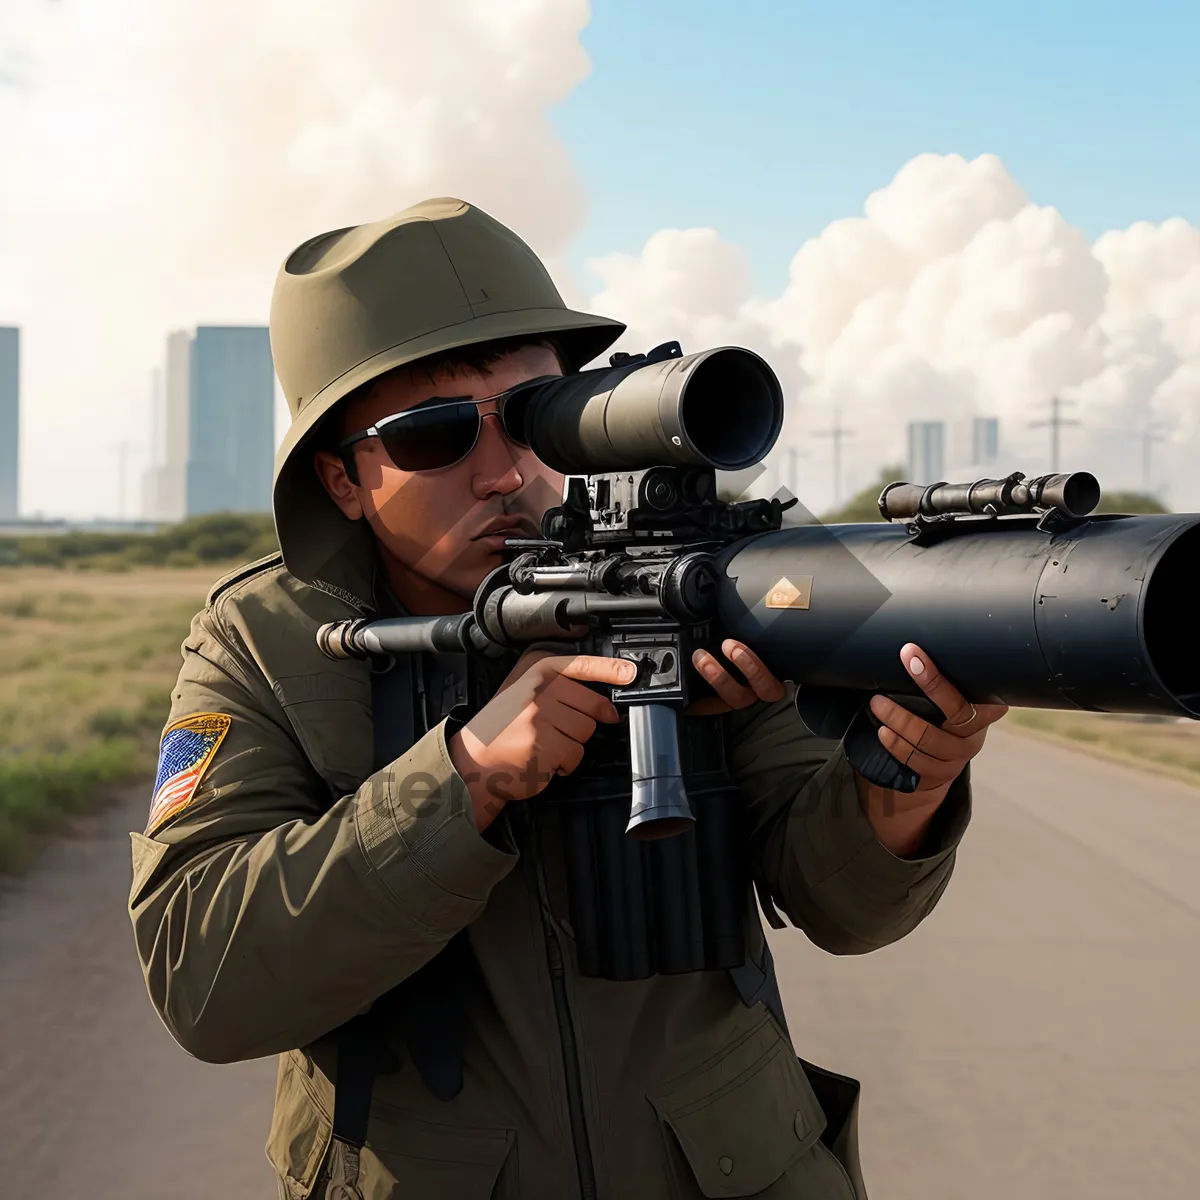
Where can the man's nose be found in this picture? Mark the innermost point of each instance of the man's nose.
(494, 460)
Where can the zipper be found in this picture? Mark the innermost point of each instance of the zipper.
(568, 1043)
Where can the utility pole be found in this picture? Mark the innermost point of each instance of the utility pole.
(1055, 421)
(838, 432)
(792, 476)
(1151, 434)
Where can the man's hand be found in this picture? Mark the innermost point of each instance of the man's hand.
(533, 728)
(730, 693)
(937, 754)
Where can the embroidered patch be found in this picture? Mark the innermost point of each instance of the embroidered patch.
(187, 748)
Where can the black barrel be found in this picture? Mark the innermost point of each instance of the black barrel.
(1101, 616)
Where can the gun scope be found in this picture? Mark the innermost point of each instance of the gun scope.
(720, 408)
(1075, 494)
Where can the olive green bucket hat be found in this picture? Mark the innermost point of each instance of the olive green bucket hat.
(352, 304)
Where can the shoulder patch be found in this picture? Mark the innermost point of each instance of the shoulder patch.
(274, 559)
(188, 746)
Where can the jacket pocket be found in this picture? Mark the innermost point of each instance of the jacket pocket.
(331, 718)
(748, 1122)
(300, 1130)
(406, 1156)
(838, 1096)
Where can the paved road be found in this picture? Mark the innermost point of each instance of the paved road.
(96, 1100)
(1035, 1038)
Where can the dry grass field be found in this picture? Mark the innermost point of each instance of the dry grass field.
(1165, 745)
(87, 660)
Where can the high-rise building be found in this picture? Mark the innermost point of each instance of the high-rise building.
(166, 481)
(10, 422)
(231, 420)
(985, 441)
(926, 451)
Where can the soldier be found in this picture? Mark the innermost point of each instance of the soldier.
(390, 923)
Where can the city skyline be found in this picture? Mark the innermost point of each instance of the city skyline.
(212, 427)
(228, 393)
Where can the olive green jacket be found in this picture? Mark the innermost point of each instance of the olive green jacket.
(297, 887)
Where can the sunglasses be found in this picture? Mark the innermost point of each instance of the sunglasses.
(438, 433)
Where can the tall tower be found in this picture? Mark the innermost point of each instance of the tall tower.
(231, 420)
(10, 422)
(985, 441)
(166, 480)
(926, 451)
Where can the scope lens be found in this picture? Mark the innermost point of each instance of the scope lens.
(1081, 493)
(732, 409)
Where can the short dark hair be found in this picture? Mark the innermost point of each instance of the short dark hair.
(477, 357)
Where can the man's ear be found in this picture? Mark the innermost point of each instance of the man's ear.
(332, 473)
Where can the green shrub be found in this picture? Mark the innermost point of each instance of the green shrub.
(215, 538)
(38, 791)
(114, 722)
(25, 606)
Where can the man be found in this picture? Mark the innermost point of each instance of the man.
(289, 881)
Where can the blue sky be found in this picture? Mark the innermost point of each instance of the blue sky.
(767, 118)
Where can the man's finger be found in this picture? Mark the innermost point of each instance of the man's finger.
(935, 685)
(595, 668)
(554, 746)
(528, 659)
(734, 694)
(577, 725)
(765, 685)
(582, 698)
(988, 714)
(937, 743)
(932, 772)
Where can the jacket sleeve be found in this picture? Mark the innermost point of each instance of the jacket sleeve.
(263, 915)
(814, 853)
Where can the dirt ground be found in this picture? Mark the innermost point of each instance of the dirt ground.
(1035, 1038)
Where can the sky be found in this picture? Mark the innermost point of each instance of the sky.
(768, 120)
(927, 211)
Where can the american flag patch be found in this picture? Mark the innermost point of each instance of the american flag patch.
(187, 748)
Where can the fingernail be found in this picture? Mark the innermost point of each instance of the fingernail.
(628, 671)
(916, 666)
(739, 655)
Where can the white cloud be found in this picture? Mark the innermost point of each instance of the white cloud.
(159, 158)
(954, 296)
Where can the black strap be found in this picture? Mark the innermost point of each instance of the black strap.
(429, 1006)
(756, 982)
(357, 1058)
(393, 711)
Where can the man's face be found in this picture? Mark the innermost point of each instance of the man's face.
(442, 531)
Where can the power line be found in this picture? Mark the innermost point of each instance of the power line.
(1055, 422)
(1151, 434)
(838, 432)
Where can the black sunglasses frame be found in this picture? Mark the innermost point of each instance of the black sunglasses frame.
(395, 423)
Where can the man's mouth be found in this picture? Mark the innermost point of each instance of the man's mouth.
(499, 528)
